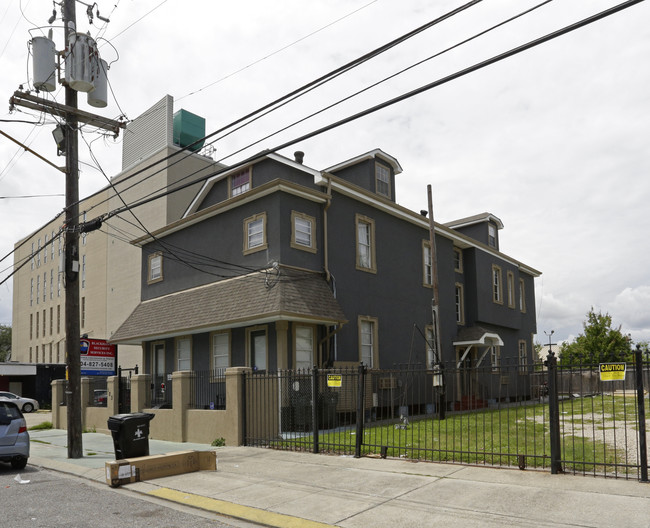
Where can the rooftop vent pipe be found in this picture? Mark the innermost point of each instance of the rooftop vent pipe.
(299, 156)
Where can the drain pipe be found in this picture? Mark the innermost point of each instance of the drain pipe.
(325, 235)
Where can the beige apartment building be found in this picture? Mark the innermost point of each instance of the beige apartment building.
(109, 265)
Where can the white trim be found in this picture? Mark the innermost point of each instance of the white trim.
(376, 153)
(481, 341)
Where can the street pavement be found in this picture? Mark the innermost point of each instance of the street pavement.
(283, 488)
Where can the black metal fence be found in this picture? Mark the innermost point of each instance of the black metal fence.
(534, 416)
(208, 389)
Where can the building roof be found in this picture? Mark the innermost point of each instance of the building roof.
(475, 219)
(261, 297)
(376, 153)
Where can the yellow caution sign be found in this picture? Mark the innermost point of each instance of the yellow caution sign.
(612, 371)
(334, 380)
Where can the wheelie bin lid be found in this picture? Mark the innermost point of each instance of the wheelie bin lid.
(116, 421)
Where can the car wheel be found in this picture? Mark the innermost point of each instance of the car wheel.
(28, 407)
(18, 462)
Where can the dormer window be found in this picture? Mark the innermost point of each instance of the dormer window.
(492, 235)
(240, 182)
(382, 180)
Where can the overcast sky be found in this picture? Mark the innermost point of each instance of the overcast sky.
(554, 141)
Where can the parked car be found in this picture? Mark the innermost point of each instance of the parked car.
(100, 398)
(14, 438)
(24, 404)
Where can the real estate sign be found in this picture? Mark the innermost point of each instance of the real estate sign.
(98, 357)
(612, 371)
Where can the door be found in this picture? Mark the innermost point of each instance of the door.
(258, 350)
(158, 374)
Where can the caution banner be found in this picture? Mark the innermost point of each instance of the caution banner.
(612, 371)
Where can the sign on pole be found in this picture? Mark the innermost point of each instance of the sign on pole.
(98, 357)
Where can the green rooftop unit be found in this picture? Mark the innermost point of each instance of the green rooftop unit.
(188, 128)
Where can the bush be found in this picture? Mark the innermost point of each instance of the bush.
(219, 442)
(44, 425)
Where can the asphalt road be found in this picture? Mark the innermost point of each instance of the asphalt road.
(47, 499)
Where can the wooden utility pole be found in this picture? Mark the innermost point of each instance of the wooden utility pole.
(72, 325)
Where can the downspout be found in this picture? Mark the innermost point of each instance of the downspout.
(325, 237)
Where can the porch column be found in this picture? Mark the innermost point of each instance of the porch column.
(281, 331)
(140, 392)
(181, 380)
(58, 396)
(112, 395)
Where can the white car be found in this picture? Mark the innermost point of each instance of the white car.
(24, 404)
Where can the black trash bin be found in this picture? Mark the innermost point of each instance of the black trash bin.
(130, 434)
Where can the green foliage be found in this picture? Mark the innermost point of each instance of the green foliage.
(219, 442)
(43, 425)
(599, 343)
(5, 342)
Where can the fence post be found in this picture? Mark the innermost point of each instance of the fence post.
(360, 407)
(554, 414)
(643, 447)
(314, 407)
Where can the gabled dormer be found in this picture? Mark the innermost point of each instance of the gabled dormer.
(483, 227)
(374, 171)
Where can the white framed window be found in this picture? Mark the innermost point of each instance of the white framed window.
(511, 289)
(368, 352)
(303, 232)
(257, 346)
(220, 356)
(522, 296)
(365, 232)
(458, 260)
(492, 235)
(240, 182)
(255, 233)
(382, 180)
(427, 267)
(304, 347)
(184, 353)
(459, 295)
(495, 357)
(155, 273)
(497, 286)
(523, 355)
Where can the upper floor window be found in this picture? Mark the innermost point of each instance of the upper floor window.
(382, 180)
(458, 260)
(255, 233)
(52, 246)
(240, 182)
(83, 271)
(32, 263)
(83, 235)
(302, 234)
(365, 244)
(511, 289)
(368, 353)
(427, 267)
(38, 254)
(460, 304)
(497, 287)
(492, 235)
(155, 273)
(31, 292)
(45, 251)
(522, 296)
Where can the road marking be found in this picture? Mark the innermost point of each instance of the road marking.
(238, 511)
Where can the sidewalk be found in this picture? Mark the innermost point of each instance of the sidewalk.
(281, 488)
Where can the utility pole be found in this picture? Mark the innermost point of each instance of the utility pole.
(72, 325)
(72, 116)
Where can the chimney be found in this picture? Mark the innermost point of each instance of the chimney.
(424, 212)
(299, 155)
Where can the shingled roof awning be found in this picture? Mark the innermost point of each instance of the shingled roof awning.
(257, 298)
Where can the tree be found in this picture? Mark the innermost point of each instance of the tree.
(5, 342)
(599, 343)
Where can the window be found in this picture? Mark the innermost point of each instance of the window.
(44, 332)
(44, 286)
(368, 353)
(255, 233)
(497, 292)
(511, 289)
(52, 247)
(38, 254)
(302, 235)
(83, 312)
(37, 325)
(58, 353)
(460, 304)
(83, 271)
(31, 292)
(495, 357)
(31, 325)
(365, 244)
(45, 251)
(256, 342)
(427, 268)
(32, 262)
(183, 353)
(220, 358)
(155, 268)
(58, 318)
(83, 235)
(492, 235)
(58, 289)
(458, 260)
(240, 182)
(59, 246)
(522, 296)
(38, 289)
(304, 347)
(523, 356)
(51, 319)
(52, 284)
(382, 180)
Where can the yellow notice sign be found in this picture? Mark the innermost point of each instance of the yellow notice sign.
(333, 380)
(612, 371)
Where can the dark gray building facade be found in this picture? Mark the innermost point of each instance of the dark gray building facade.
(279, 266)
